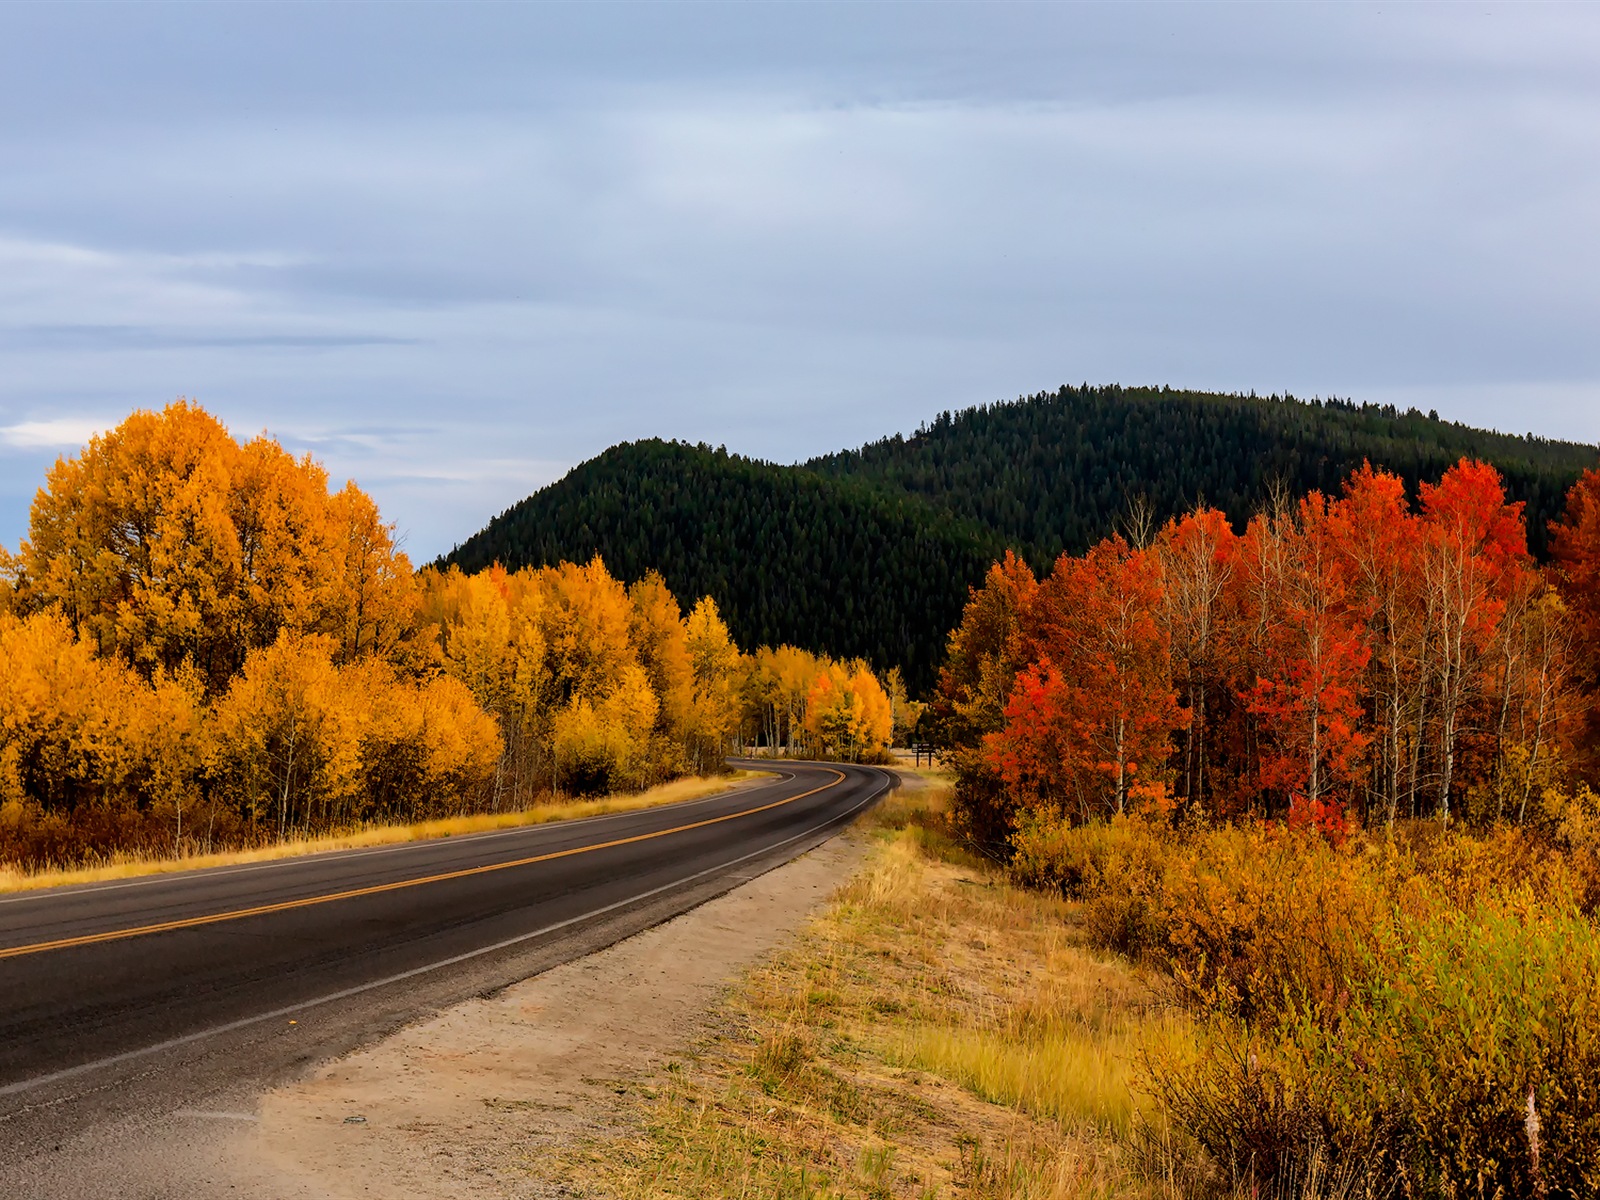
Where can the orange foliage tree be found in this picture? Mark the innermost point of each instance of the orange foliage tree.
(1354, 658)
(1092, 716)
(1308, 656)
(1575, 546)
(167, 542)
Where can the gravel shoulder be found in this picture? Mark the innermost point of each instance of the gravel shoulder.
(464, 1105)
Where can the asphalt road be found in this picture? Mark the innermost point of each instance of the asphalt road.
(123, 1003)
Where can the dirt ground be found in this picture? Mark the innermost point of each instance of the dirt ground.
(464, 1104)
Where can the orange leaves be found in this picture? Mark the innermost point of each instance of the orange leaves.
(1575, 545)
(1308, 655)
(1344, 657)
(166, 541)
(847, 710)
(1096, 710)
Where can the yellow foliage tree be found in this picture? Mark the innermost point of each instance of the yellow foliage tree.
(662, 642)
(166, 541)
(714, 660)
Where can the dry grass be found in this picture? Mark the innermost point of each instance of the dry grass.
(935, 1032)
(14, 880)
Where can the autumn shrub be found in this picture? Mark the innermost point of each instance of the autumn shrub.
(1115, 868)
(983, 813)
(1420, 1010)
(1569, 820)
(1239, 915)
(1464, 1060)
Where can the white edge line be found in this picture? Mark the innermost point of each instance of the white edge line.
(60, 890)
(28, 1085)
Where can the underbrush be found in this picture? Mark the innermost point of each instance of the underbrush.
(1418, 1014)
(154, 861)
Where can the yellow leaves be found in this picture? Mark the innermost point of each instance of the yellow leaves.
(375, 608)
(847, 710)
(198, 634)
(63, 712)
(166, 541)
(587, 625)
(608, 742)
(818, 705)
(301, 742)
(663, 645)
(715, 662)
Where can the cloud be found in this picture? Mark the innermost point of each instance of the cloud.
(453, 250)
(59, 433)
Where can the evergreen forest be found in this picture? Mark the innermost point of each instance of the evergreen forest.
(871, 552)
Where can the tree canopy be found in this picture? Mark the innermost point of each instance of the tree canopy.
(870, 552)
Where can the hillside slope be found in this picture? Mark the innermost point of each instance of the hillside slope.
(870, 552)
(788, 555)
(1055, 470)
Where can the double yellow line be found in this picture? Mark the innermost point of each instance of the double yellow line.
(114, 935)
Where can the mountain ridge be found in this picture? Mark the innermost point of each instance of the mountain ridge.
(870, 551)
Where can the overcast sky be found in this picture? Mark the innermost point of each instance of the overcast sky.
(454, 250)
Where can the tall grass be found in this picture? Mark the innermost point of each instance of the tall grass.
(936, 1032)
(128, 866)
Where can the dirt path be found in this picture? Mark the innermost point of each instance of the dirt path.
(461, 1106)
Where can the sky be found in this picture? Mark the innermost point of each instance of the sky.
(453, 250)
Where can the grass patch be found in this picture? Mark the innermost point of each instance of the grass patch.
(935, 1032)
(694, 788)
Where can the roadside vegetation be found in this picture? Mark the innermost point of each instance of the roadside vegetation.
(1142, 1009)
(1332, 780)
(203, 649)
(127, 866)
(1271, 867)
(935, 1032)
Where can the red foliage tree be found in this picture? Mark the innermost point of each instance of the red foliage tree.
(1198, 556)
(1474, 550)
(1312, 658)
(1575, 547)
(1094, 713)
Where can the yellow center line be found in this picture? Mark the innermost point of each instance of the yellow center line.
(113, 935)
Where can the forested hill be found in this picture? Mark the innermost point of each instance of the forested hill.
(869, 552)
(1052, 471)
(788, 555)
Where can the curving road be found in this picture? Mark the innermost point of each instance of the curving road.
(124, 1003)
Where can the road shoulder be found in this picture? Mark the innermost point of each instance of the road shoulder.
(461, 1104)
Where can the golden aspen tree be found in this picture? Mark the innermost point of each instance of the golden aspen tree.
(287, 553)
(833, 711)
(168, 734)
(714, 659)
(587, 623)
(166, 541)
(662, 642)
(374, 608)
(134, 544)
(904, 712)
(283, 749)
(874, 713)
